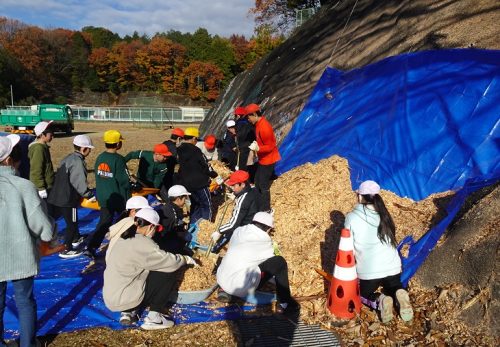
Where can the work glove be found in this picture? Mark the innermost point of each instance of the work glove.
(219, 180)
(216, 236)
(254, 146)
(42, 194)
(230, 195)
(190, 261)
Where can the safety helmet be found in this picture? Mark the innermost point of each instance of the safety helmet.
(112, 136)
(178, 131)
(194, 132)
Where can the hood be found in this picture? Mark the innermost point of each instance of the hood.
(367, 214)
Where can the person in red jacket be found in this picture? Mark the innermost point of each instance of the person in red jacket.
(267, 152)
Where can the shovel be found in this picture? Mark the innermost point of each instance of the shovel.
(326, 275)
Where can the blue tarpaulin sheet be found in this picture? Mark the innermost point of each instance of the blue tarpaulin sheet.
(417, 123)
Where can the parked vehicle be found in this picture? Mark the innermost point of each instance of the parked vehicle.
(22, 119)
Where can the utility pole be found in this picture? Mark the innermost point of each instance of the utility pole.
(11, 96)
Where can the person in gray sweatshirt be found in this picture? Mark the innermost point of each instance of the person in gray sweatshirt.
(24, 222)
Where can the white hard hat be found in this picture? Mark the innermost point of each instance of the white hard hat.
(41, 127)
(149, 215)
(177, 190)
(264, 218)
(83, 141)
(136, 202)
(6, 144)
(230, 123)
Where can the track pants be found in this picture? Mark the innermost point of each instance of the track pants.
(389, 285)
(263, 180)
(276, 267)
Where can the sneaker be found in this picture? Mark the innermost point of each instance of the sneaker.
(385, 306)
(68, 254)
(128, 318)
(156, 320)
(405, 309)
(78, 242)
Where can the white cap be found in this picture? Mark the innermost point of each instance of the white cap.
(230, 123)
(136, 202)
(368, 188)
(41, 127)
(264, 218)
(149, 215)
(6, 144)
(177, 190)
(83, 141)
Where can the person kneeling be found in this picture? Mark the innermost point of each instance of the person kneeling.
(139, 274)
(250, 262)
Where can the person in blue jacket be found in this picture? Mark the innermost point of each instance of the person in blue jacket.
(377, 259)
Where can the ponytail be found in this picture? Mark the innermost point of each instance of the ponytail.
(130, 232)
(386, 229)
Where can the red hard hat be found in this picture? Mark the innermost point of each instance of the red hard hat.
(162, 149)
(252, 108)
(210, 141)
(239, 176)
(239, 111)
(178, 131)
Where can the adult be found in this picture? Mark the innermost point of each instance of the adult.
(229, 147)
(250, 262)
(245, 207)
(112, 187)
(152, 165)
(208, 147)
(41, 168)
(377, 259)
(195, 174)
(174, 236)
(169, 179)
(70, 186)
(245, 135)
(267, 152)
(139, 274)
(24, 223)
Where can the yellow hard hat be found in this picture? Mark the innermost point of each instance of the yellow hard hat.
(194, 132)
(112, 136)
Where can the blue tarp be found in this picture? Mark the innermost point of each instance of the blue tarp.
(417, 123)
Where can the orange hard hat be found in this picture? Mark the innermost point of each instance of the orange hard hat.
(178, 131)
(239, 111)
(252, 108)
(162, 149)
(210, 141)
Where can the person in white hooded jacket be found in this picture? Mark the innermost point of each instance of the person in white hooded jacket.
(139, 274)
(377, 259)
(250, 262)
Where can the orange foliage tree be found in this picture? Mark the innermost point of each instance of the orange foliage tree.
(202, 80)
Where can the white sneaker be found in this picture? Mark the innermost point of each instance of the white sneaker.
(77, 243)
(128, 318)
(70, 254)
(405, 309)
(155, 321)
(385, 306)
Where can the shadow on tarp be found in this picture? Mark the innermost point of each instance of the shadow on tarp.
(69, 301)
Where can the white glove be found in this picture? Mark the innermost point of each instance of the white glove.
(42, 194)
(219, 180)
(254, 146)
(190, 261)
(230, 195)
(216, 236)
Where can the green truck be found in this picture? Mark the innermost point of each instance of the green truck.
(22, 119)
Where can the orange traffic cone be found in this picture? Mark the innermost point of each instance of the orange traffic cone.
(343, 298)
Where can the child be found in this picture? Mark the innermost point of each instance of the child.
(377, 259)
(112, 187)
(70, 186)
(152, 165)
(41, 168)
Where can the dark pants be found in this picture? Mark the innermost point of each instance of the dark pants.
(276, 266)
(159, 290)
(26, 308)
(201, 205)
(105, 221)
(263, 180)
(70, 216)
(389, 285)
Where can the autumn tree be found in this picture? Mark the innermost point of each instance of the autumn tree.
(203, 80)
(101, 37)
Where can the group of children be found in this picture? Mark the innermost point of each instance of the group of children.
(147, 248)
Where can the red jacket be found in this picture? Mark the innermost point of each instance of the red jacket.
(268, 151)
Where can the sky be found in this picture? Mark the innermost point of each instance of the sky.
(144, 16)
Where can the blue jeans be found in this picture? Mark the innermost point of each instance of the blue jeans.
(26, 307)
(201, 205)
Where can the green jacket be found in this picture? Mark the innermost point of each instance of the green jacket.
(149, 172)
(41, 169)
(111, 181)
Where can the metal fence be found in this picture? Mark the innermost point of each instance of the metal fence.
(140, 114)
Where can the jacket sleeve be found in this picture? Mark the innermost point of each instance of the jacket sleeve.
(239, 212)
(133, 155)
(78, 176)
(266, 135)
(36, 167)
(158, 260)
(122, 177)
(159, 174)
(39, 223)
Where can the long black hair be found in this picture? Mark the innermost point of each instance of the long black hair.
(386, 229)
(138, 223)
